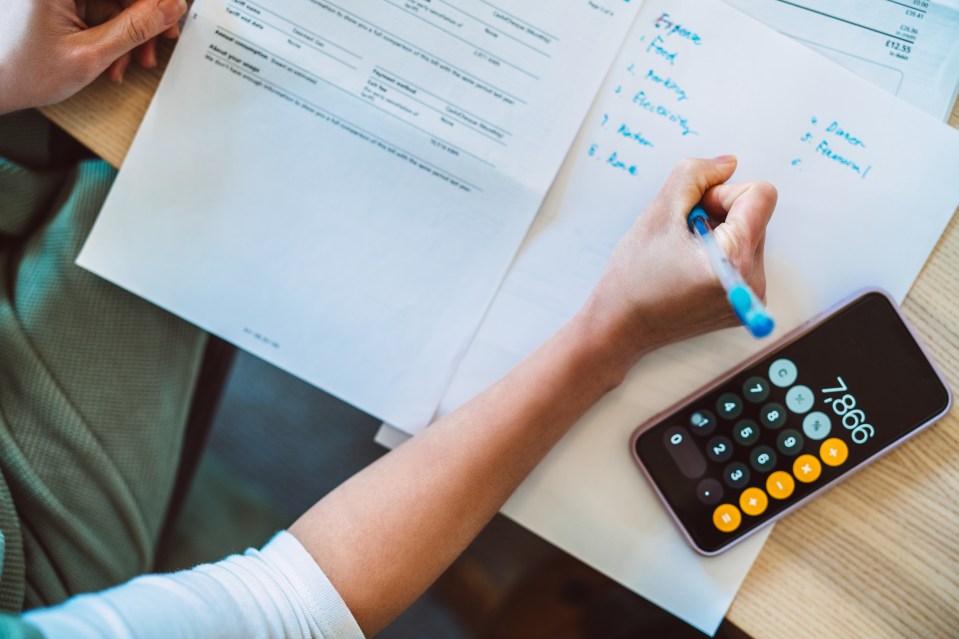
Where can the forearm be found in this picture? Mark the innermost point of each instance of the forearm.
(277, 592)
(384, 536)
(8, 97)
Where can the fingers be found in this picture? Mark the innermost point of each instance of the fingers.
(746, 207)
(133, 27)
(687, 184)
(745, 211)
(146, 54)
(119, 67)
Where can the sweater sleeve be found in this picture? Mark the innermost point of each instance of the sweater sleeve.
(276, 592)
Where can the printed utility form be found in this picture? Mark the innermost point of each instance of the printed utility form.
(340, 188)
(907, 47)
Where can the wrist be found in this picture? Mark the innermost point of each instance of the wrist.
(6, 94)
(608, 341)
(11, 95)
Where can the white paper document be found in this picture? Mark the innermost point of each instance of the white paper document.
(908, 47)
(339, 187)
(867, 184)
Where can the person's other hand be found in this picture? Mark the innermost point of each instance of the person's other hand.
(50, 49)
(659, 286)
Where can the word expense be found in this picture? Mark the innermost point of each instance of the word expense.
(670, 30)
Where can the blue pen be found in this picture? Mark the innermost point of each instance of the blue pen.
(748, 308)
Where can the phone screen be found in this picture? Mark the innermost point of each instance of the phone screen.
(791, 423)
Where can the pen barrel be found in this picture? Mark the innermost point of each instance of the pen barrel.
(747, 306)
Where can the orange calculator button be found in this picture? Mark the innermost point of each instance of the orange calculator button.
(834, 452)
(753, 501)
(780, 485)
(727, 517)
(807, 468)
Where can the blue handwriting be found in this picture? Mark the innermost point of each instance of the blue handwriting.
(613, 160)
(643, 102)
(616, 163)
(656, 46)
(827, 152)
(629, 134)
(817, 138)
(669, 84)
(674, 28)
(837, 130)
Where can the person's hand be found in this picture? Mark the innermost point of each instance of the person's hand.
(50, 49)
(659, 286)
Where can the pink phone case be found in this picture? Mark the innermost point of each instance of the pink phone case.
(789, 337)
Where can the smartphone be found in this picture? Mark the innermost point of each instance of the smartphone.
(792, 421)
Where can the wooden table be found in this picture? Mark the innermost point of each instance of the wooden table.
(877, 557)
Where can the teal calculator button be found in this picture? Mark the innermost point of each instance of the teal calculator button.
(763, 458)
(755, 390)
(789, 442)
(729, 406)
(719, 449)
(736, 475)
(772, 415)
(746, 432)
(702, 422)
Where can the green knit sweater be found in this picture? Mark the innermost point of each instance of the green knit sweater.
(95, 385)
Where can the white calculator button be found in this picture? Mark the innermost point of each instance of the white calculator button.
(783, 373)
(799, 399)
(816, 425)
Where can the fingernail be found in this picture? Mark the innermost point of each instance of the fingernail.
(172, 9)
(724, 159)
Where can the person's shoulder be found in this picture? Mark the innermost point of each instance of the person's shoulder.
(12, 627)
(12, 565)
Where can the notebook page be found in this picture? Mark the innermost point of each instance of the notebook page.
(866, 186)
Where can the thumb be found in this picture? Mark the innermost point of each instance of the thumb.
(139, 23)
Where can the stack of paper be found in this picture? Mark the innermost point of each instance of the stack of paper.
(340, 189)
(350, 186)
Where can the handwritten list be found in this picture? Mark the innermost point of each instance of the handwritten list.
(834, 143)
(645, 90)
(651, 103)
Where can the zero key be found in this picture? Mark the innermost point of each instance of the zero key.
(684, 452)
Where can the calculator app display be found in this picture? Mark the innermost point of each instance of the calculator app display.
(782, 428)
